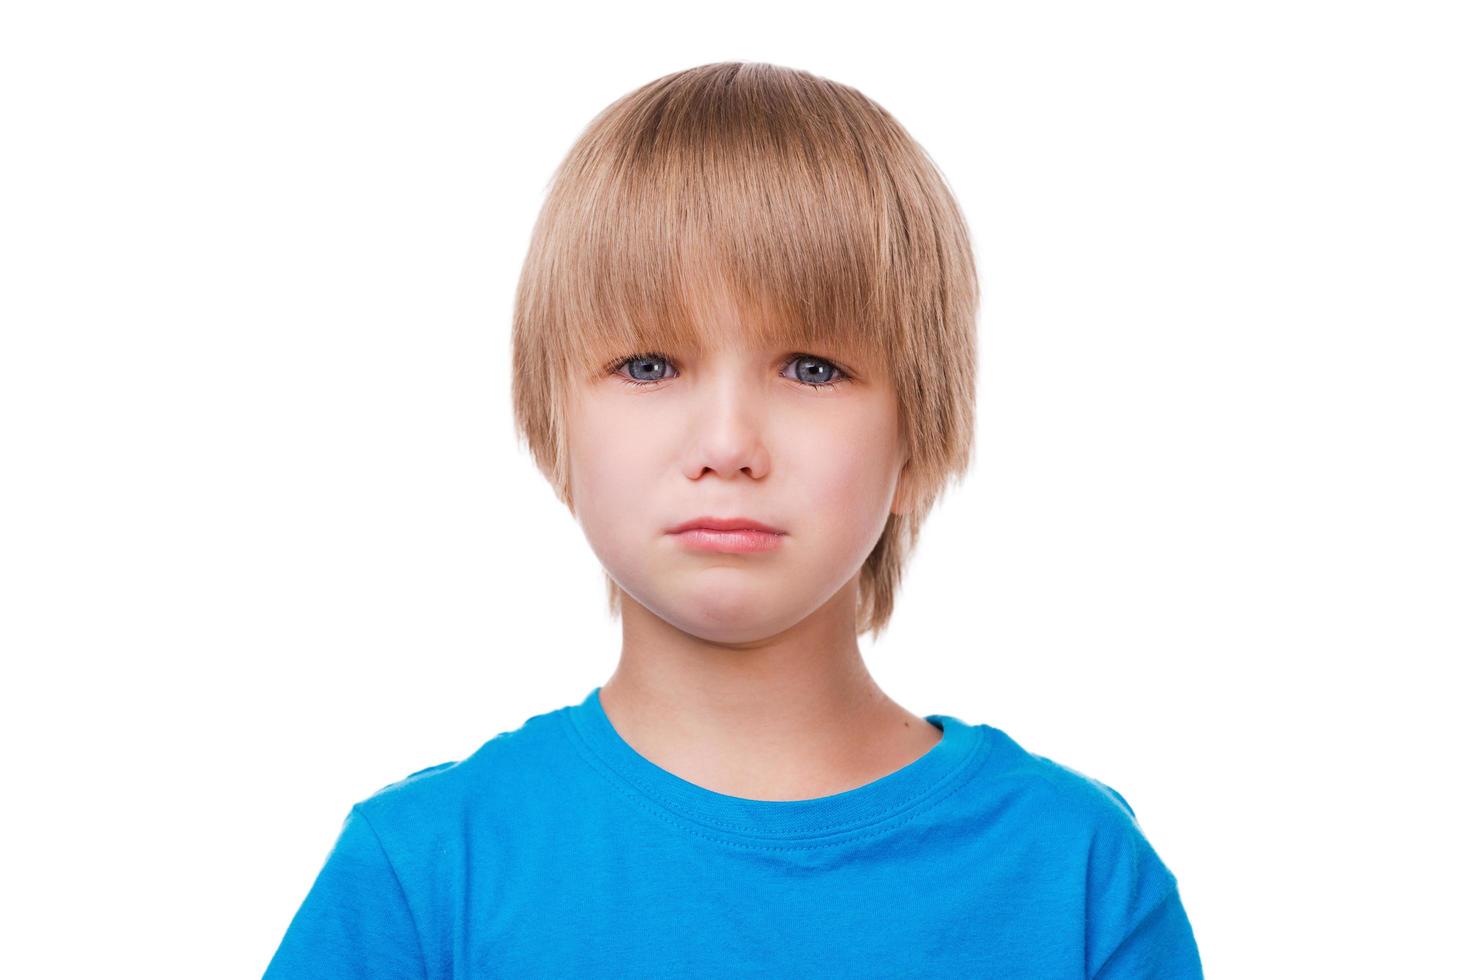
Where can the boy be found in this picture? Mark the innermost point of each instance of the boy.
(744, 357)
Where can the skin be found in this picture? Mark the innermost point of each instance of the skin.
(741, 673)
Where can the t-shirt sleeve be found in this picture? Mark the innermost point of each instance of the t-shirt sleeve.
(1137, 927)
(355, 923)
(1160, 947)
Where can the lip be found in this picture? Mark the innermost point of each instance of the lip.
(724, 524)
(728, 535)
(741, 542)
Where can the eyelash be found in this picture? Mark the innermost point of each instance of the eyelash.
(615, 369)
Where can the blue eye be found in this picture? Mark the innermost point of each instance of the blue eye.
(642, 362)
(828, 374)
(824, 381)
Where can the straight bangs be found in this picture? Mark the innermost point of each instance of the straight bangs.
(701, 215)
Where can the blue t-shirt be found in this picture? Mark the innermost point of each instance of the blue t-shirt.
(556, 850)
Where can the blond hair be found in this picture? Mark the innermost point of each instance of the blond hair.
(807, 203)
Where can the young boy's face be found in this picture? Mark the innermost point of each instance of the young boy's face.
(735, 433)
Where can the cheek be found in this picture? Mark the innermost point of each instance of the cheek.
(846, 489)
(612, 466)
(850, 492)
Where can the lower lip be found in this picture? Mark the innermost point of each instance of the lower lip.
(731, 542)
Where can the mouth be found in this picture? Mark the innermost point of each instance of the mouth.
(729, 542)
(727, 535)
(707, 523)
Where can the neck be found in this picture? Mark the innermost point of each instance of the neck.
(793, 715)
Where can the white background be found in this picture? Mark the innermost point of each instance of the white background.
(267, 542)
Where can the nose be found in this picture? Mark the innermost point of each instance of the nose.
(726, 426)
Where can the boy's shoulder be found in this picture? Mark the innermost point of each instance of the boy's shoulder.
(1070, 810)
(496, 766)
(1057, 797)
